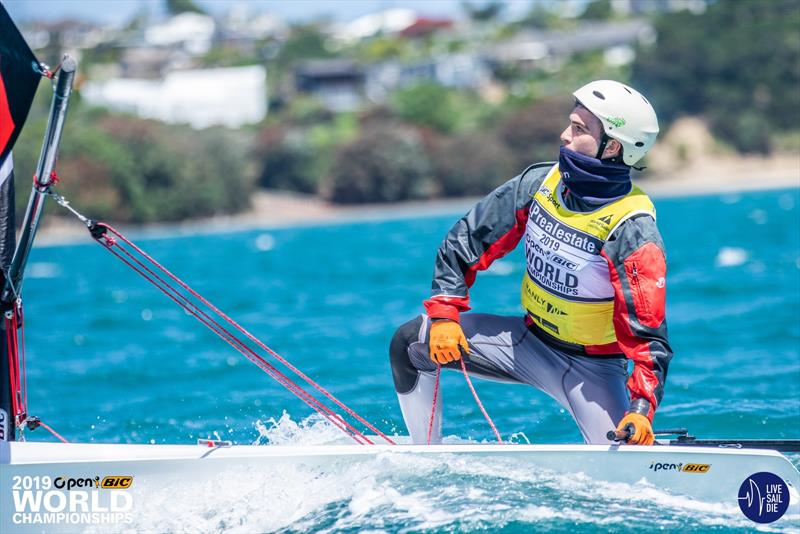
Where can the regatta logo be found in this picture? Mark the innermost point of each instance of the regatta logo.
(606, 219)
(76, 501)
(661, 282)
(686, 468)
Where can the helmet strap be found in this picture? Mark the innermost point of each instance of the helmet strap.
(604, 139)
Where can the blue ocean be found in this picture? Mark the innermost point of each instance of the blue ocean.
(111, 360)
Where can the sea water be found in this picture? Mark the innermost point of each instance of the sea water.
(111, 360)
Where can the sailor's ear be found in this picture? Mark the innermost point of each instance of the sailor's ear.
(613, 149)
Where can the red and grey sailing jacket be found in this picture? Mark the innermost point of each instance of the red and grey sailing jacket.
(595, 281)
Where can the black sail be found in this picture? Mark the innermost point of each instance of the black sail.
(19, 79)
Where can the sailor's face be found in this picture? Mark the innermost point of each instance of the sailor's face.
(583, 133)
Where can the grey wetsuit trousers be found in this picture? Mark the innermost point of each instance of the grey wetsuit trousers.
(502, 348)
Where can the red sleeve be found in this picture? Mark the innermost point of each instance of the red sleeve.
(639, 280)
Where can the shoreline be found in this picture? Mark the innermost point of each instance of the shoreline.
(275, 209)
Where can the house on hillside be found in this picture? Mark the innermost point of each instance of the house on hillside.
(423, 27)
(460, 71)
(548, 48)
(193, 32)
(337, 84)
(229, 97)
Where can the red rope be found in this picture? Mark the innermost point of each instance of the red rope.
(435, 400)
(12, 366)
(252, 338)
(181, 300)
(243, 349)
(478, 401)
(24, 366)
(56, 434)
(19, 396)
(190, 307)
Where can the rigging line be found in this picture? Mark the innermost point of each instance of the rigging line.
(109, 241)
(243, 349)
(12, 368)
(56, 434)
(478, 401)
(246, 333)
(257, 360)
(240, 346)
(21, 350)
(18, 379)
(98, 233)
(435, 400)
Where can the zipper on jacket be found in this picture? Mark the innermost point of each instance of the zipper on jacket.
(637, 292)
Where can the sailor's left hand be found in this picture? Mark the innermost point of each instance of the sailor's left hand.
(447, 342)
(642, 429)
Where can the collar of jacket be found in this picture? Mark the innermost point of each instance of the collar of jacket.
(592, 179)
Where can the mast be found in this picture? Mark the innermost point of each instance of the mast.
(43, 178)
(14, 266)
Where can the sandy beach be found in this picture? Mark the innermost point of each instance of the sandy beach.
(273, 209)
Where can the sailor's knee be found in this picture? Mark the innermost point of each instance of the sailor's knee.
(403, 370)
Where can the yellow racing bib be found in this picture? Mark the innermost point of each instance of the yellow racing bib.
(566, 289)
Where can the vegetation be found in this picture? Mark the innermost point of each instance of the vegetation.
(737, 64)
(386, 163)
(121, 168)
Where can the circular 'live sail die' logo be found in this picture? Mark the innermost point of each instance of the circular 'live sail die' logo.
(764, 497)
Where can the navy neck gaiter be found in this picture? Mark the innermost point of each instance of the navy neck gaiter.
(593, 179)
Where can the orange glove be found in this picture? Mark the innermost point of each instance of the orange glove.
(447, 341)
(642, 429)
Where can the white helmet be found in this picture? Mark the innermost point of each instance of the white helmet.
(626, 116)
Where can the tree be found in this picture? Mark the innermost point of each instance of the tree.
(483, 13)
(426, 104)
(472, 164)
(387, 163)
(176, 7)
(597, 10)
(285, 160)
(738, 64)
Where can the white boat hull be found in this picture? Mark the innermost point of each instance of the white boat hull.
(718, 478)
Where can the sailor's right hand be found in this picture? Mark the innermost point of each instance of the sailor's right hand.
(642, 431)
(447, 341)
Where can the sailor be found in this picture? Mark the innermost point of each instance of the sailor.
(593, 291)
